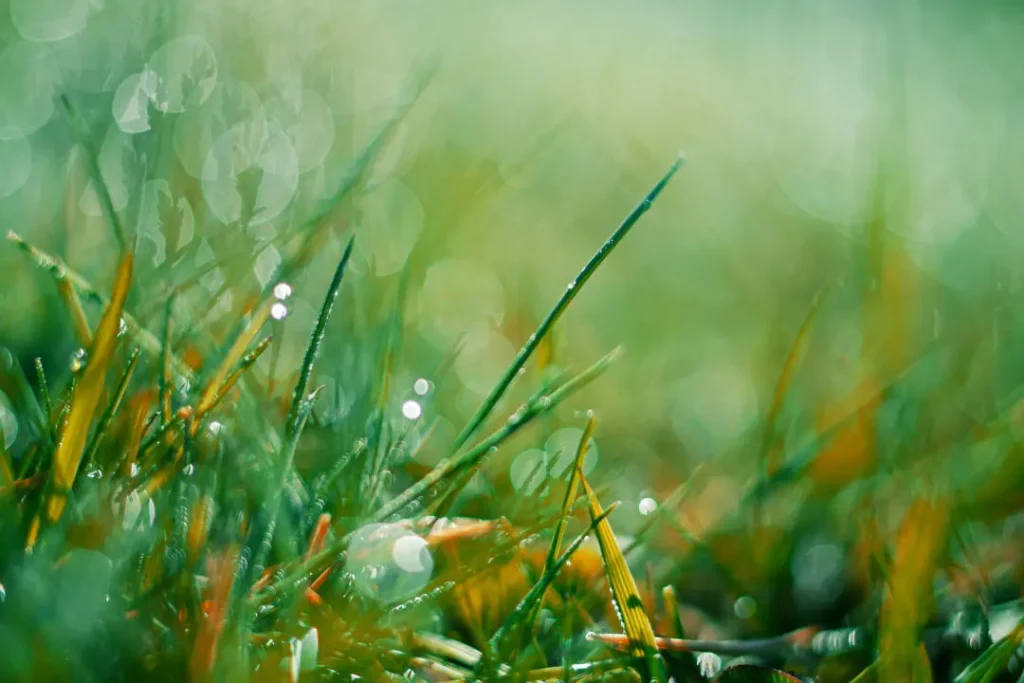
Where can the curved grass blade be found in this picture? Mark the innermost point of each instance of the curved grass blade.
(571, 291)
(84, 401)
(629, 606)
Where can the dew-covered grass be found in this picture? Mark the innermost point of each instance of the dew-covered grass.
(450, 342)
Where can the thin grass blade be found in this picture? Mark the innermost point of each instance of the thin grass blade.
(571, 292)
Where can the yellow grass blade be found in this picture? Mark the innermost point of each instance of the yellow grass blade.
(212, 390)
(907, 606)
(626, 596)
(85, 400)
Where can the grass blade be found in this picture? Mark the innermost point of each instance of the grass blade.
(301, 406)
(500, 641)
(629, 606)
(563, 302)
(449, 467)
(84, 401)
(796, 351)
(233, 356)
(112, 407)
(74, 306)
(905, 610)
(80, 131)
(59, 270)
(166, 380)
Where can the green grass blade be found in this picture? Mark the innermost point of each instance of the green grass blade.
(449, 467)
(78, 127)
(302, 405)
(502, 640)
(567, 297)
(111, 410)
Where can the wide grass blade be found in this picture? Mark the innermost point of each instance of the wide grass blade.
(571, 291)
(625, 594)
(84, 402)
(920, 545)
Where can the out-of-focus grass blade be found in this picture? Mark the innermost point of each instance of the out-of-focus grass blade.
(796, 350)
(571, 291)
(81, 132)
(907, 606)
(6, 472)
(995, 659)
(668, 595)
(665, 510)
(166, 380)
(502, 640)
(84, 402)
(75, 310)
(629, 606)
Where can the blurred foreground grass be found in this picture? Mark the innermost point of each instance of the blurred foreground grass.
(814, 430)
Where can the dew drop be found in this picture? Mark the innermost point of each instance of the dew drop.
(647, 506)
(278, 311)
(412, 410)
(78, 359)
(421, 387)
(282, 290)
(744, 607)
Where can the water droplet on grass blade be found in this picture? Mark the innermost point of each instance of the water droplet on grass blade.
(282, 290)
(412, 410)
(278, 311)
(647, 506)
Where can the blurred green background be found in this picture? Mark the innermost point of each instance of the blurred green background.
(851, 147)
